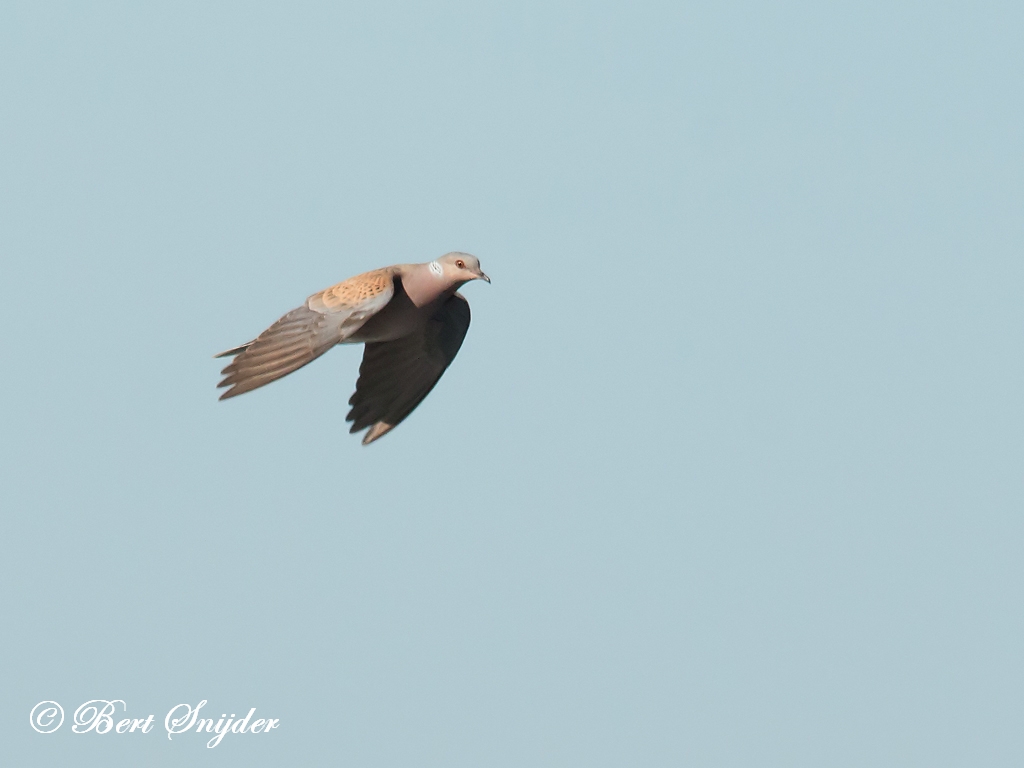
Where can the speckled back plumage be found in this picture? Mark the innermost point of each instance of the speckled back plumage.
(354, 291)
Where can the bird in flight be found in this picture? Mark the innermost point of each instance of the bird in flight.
(410, 318)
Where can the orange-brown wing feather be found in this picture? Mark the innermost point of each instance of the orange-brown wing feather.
(367, 288)
(305, 333)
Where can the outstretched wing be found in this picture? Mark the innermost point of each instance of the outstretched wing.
(395, 376)
(305, 333)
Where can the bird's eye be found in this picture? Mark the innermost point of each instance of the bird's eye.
(460, 264)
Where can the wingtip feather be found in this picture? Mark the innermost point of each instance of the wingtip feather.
(234, 350)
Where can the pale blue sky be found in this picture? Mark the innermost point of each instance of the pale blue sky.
(727, 472)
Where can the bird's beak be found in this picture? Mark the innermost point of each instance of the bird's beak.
(482, 276)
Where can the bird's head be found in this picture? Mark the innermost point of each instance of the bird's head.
(462, 267)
